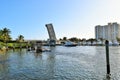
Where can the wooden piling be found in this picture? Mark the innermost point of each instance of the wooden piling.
(107, 58)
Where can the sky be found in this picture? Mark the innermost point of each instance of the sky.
(70, 18)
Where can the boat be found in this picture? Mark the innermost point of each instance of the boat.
(115, 43)
(70, 44)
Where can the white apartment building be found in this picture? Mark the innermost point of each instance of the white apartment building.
(108, 32)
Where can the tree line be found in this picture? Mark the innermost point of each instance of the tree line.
(75, 39)
(6, 37)
(7, 42)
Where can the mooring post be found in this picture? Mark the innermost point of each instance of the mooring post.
(107, 58)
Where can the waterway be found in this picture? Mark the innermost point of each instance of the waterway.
(62, 63)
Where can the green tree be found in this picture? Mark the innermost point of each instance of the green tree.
(20, 38)
(5, 34)
(74, 39)
(118, 39)
(83, 39)
(60, 39)
(102, 40)
(91, 40)
(1, 35)
(64, 38)
(79, 40)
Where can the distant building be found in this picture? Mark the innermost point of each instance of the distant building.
(108, 32)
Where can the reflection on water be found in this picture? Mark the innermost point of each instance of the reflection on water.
(62, 63)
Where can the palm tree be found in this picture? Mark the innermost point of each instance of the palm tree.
(0, 35)
(64, 38)
(5, 34)
(20, 38)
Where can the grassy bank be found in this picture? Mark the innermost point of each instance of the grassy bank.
(13, 45)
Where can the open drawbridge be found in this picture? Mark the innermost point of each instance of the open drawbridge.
(52, 36)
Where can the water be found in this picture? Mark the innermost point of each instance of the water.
(62, 63)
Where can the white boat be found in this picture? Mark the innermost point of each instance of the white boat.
(70, 44)
(115, 43)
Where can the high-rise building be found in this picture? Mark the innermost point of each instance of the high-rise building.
(108, 32)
